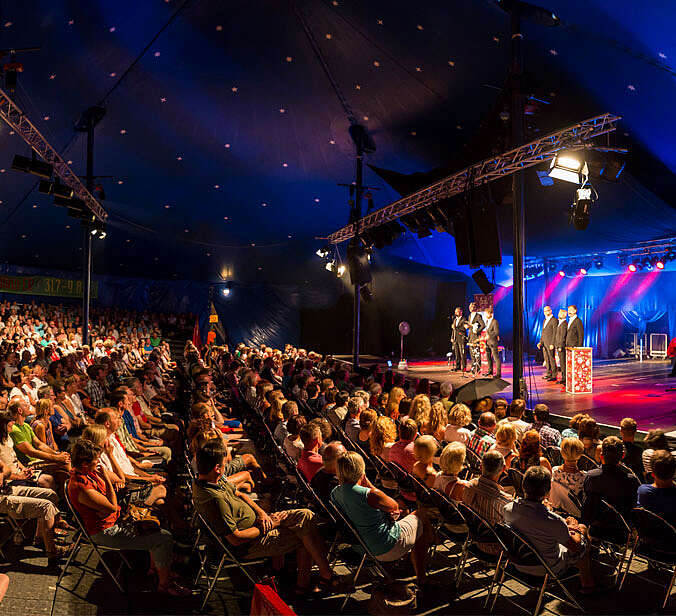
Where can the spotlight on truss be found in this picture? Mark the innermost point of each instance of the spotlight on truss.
(33, 166)
(569, 168)
(580, 213)
(322, 252)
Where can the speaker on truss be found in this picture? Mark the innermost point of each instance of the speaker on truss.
(358, 264)
(486, 286)
(476, 231)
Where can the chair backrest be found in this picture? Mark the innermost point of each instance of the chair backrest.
(516, 477)
(553, 454)
(76, 514)
(404, 480)
(313, 496)
(480, 529)
(447, 508)
(654, 530)
(473, 460)
(585, 463)
(519, 549)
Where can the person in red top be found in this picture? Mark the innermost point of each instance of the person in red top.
(671, 352)
(402, 452)
(310, 460)
(91, 493)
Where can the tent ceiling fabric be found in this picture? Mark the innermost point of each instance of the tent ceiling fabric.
(225, 142)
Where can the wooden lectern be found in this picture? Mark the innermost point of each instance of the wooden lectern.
(578, 370)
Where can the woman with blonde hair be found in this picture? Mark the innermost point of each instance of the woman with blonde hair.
(458, 417)
(98, 435)
(41, 425)
(505, 442)
(383, 436)
(451, 461)
(425, 448)
(419, 410)
(396, 395)
(568, 477)
(436, 426)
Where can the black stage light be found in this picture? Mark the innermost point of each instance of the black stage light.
(580, 214)
(598, 263)
(33, 166)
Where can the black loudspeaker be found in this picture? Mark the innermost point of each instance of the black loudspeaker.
(477, 236)
(484, 284)
(358, 264)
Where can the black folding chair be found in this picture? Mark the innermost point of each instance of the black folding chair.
(611, 533)
(585, 463)
(553, 454)
(228, 560)
(518, 551)
(81, 538)
(407, 487)
(654, 541)
(516, 480)
(473, 461)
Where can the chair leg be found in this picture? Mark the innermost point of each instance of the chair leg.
(495, 576)
(498, 590)
(213, 583)
(671, 585)
(620, 564)
(354, 582)
(461, 565)
(541, 596)
(71, 556)
(628, 566)
(108, 569)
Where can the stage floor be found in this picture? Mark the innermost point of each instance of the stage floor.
(622, 388)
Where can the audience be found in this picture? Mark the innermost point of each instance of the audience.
(655, 440)
(530, 453)
(660, 496)
(633, 453)
(293, 445)
(403, 451)
(310, 461)
(459, 417)
(451, 461)
(482, 438)
(568, 478)
(367, 420)
(326, 478)
(383, 437)
(516, 410)
(425, 448)
(505, 443)
(548, 436)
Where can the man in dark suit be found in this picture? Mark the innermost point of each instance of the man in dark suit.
(575, 333)
(560, 342)
(493, 337)
(547, 340)
(475, 324)
(459, 338)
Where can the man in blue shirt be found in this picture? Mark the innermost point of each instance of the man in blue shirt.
(660, 496)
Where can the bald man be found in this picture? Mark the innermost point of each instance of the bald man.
(547, 343)
(325, 478)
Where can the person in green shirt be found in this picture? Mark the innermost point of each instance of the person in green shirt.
(29, 449)
(252, 533)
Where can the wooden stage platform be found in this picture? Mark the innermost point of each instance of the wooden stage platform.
(622, 388)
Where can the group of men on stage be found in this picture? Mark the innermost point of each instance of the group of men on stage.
(468, 331)
(557, 334)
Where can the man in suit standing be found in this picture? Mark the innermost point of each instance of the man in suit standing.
(560, 343)
(475, 325)
(493, 337)
(547, 339)
(459, 338)
(575, 333)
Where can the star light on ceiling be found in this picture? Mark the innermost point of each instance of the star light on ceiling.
(332, 141)
(316, 199)
(380, 22)
(413, 133)
(285, 164)
(357, 86)
(52, 76)
(366, 118)
(157, 54)
(225, 218)
(289, 59)
(186, 230)
(71, 22)
(217, 186)
(166, 207)
(111, 29)
(282, 110)
(234, 88)
(496, 39)
(8, 24)
(112, 75)
(219, 28)
(662, 55)
(123, 131)
(451, 63)
(420, 27)
(46, 118)
(554, 52)
(264, 204)
(227, 146)
(376, 63)
(120, 182)
(329, 36)
(631, 87)
(70, 162)
(418, 69)
(179, 158)
(163, 99)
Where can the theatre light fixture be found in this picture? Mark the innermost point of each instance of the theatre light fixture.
(33, 166)
(569, 168)
(580, 211)
(322, 252)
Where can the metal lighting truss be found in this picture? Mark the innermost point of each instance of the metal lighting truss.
(528, 155)
(23, 127)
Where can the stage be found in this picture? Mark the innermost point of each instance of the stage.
(622, 388)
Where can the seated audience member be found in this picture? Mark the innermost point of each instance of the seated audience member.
(425, 448)
(548, 436)
(436, 426)
(568, 477)
(402, 452)
(293, 445)
(445, 391)
(612, 482)
(64, 406)
(310, 461)
(326, 429)
(325, 478)
(355, 405)
(505, 443)
(482, 438)
(419, 410)
(590, 435)
(660, 496)
(654, 441)
(530, 453)
(338, 412)
(366, 422)
(92, 494)
(289, 408)
(396, 395)
(516, 410)
(500, 409)
(561, 543)
(250, 531)
(573, 425)
(30, 450)
(633, 453)
(458, 417)
(451, 461)
(375, 517)
(485, 496)
(42, 426)
(383, 437)
(382, 402)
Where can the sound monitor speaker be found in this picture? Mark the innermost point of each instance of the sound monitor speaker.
(476, 231)
(482, 281)
(358, 264)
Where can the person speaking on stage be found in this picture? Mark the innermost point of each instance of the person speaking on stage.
(459, 338)
(560, 342)
(474, 325)
(493, 337)
(575, 331)
(547, 343)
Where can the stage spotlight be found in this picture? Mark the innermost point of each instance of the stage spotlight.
(340, 270)
(226, 289)
(647, 264)
(632, 267)
(598, 263)
(639, 266)
(562, 273)
(329, 266)
(659, 265)
(33, 166)
(98, 230)
(569, 168)
(580, 214)
(323, 252)
(582, 272)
